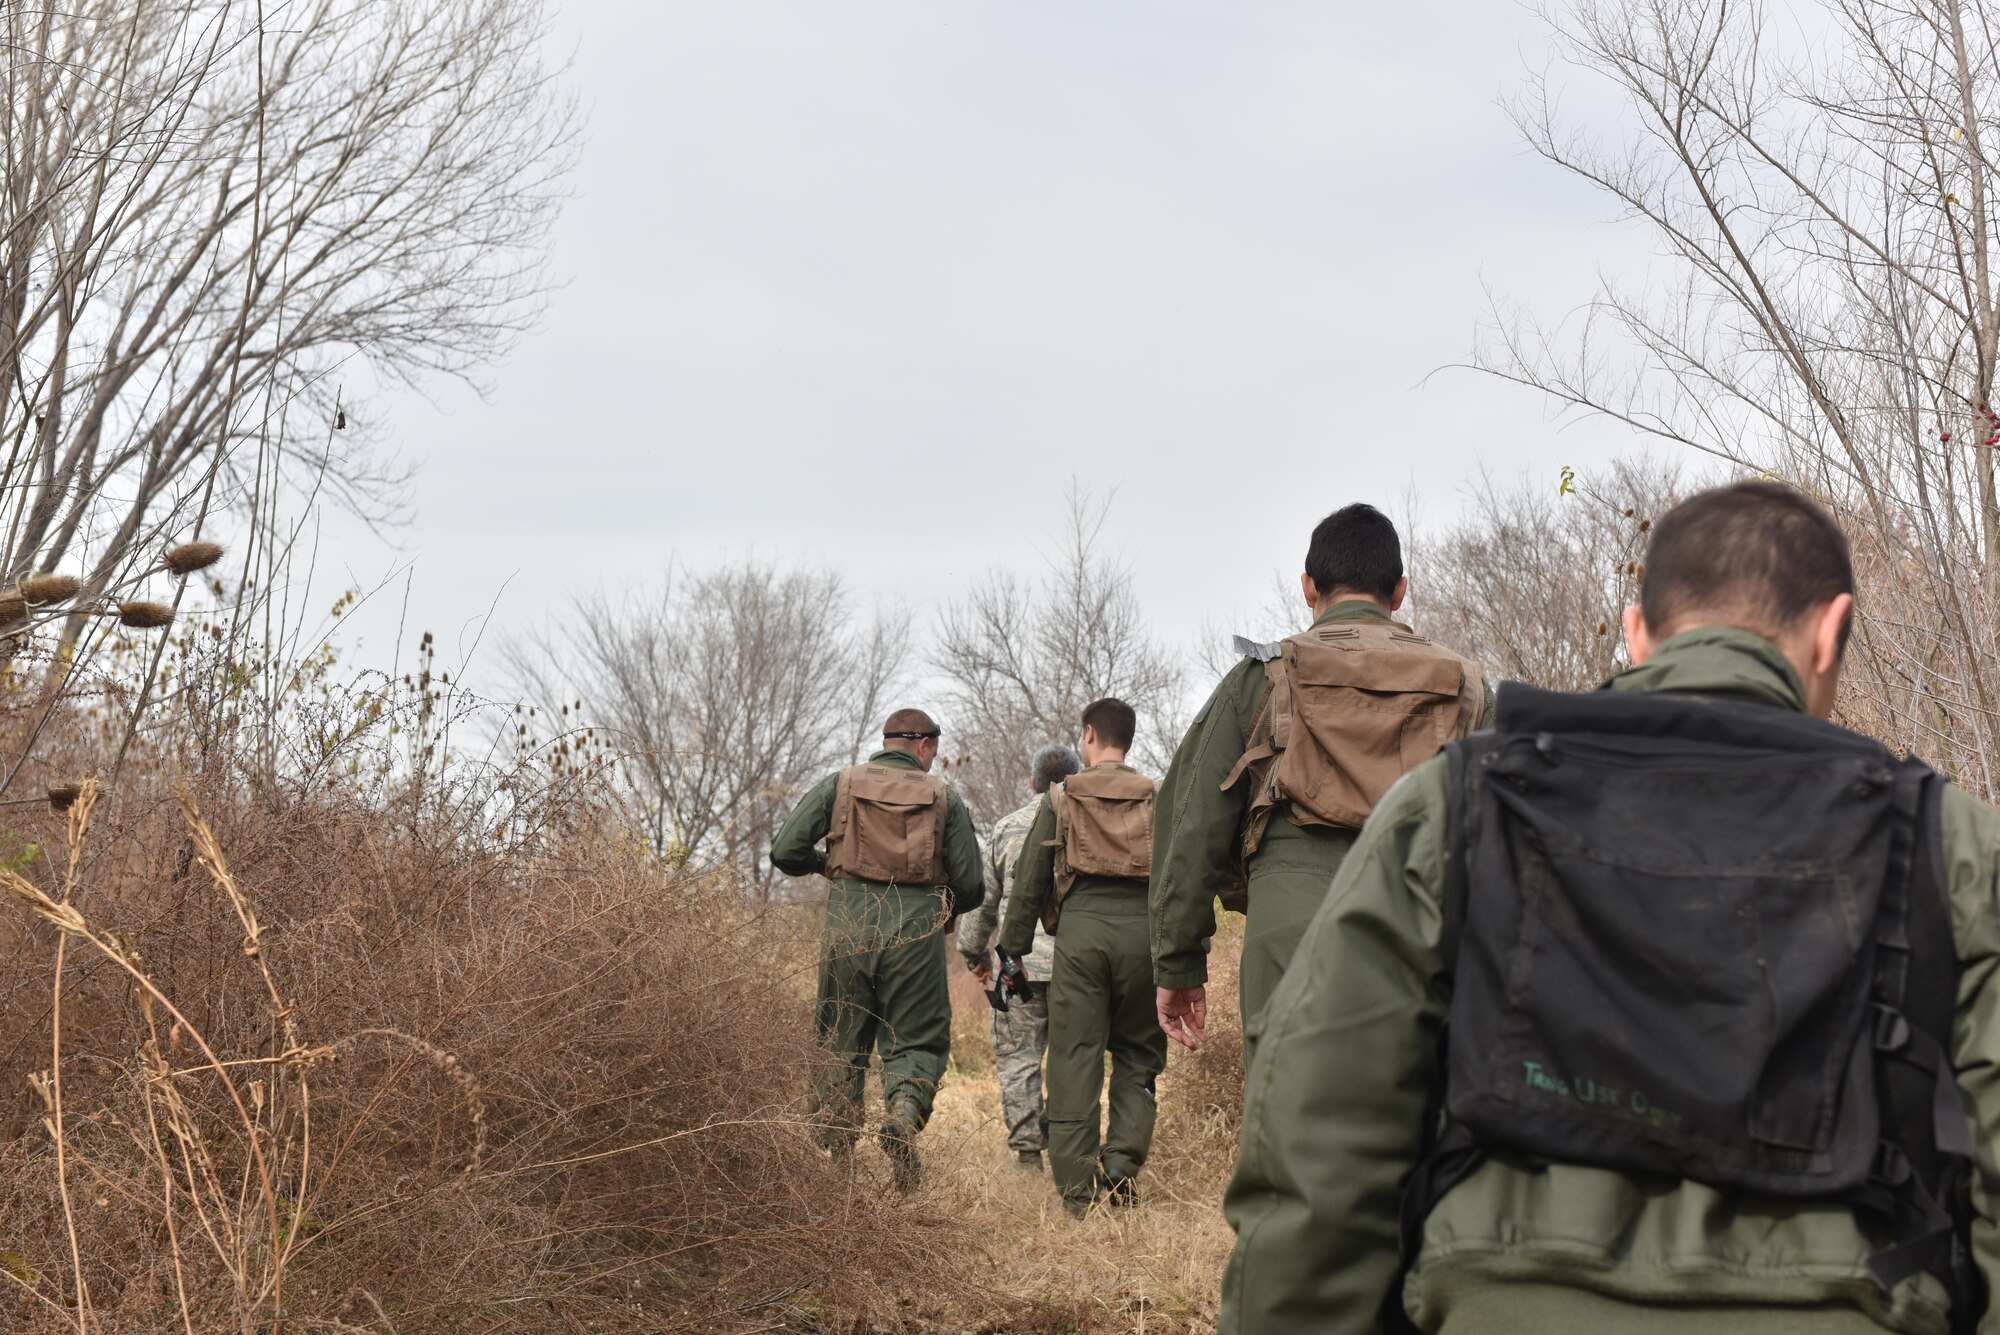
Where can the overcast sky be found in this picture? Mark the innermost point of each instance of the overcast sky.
(868, 283)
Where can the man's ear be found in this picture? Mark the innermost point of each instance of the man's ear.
(1310, 590)
(1830, 633)
(1089, 735)
(1637, 638)
(1397, 594)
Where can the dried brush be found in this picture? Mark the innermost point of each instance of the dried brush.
(145, 616)
(192, 556)
(37, 589)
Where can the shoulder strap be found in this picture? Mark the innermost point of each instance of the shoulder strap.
(843, 806)
(1262, 721)
(1451, 1154)
(1458, 810)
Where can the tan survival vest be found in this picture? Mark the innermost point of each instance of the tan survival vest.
(1104, 827)
(887, 825)
(1350, 707)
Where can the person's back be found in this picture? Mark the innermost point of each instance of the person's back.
(901, 859)
(1705, 959)
(1283, 764)
(1083, 873)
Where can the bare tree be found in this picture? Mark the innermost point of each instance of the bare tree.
(209, 207)
(729, 691)
(1020, 657)
(1532, 579)
(1825, 191)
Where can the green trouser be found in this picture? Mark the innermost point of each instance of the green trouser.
(1289, 878)
(882, 984)
(1101, 1000)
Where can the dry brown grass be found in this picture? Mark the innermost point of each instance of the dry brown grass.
(1154, 1269)
(469, 1086)
(544, 1087)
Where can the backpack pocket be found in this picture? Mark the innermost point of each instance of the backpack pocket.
(893, 830)
(1361, 718)
(1111, 835)
(1668, 965)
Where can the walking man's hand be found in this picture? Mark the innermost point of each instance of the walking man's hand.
(1184, 1014)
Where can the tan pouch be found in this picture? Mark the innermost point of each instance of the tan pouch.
(1351, 709)
(887, 825)
(1104, 827)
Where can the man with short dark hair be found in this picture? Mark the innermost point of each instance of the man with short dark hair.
(1666, 1007)
(901, 859)
(1302, 737)
(1083, 871)
(1021, 1032)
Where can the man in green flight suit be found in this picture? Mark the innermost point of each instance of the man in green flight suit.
(1083, 873)
(901, 860)
(1699, 866)
(1269, 787)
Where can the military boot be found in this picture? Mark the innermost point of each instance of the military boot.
(1031, 1160)
(1121, 1189)
(898, 1138)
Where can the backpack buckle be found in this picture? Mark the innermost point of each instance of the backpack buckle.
(1891, 1167)
(1892, 1029)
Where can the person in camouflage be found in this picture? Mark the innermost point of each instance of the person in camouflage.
(1021, 1032)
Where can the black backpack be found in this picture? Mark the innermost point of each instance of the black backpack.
(1699, 938)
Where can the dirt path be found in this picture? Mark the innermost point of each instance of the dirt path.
(1156, 1269)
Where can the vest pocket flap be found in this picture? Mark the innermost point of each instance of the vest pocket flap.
(1114, 786)
(1383, 670)
(893, 790)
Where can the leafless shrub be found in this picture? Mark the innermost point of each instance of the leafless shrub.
(1532, 579)
(286, 1063)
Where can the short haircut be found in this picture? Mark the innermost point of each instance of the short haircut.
(1114, 720)
(1355, 550)
(1759, 556)
(909, 721)
(1052, 764)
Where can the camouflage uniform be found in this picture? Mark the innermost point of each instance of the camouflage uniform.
(1021, 1035)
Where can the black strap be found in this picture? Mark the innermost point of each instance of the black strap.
(1450, 1153)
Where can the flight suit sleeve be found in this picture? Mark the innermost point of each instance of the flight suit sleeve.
(976, 929)
(1198, 829)
(1971, 831)
(795, 848)
(964, 870)
(1335, 1102)
(1034, 882)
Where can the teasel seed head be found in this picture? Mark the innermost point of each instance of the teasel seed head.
(62, 796)
(145, 616)
(192, 556)
(37, 589)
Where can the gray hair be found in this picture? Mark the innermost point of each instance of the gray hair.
(1051, 764)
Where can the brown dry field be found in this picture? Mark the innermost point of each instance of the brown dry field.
(1157, 1269)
